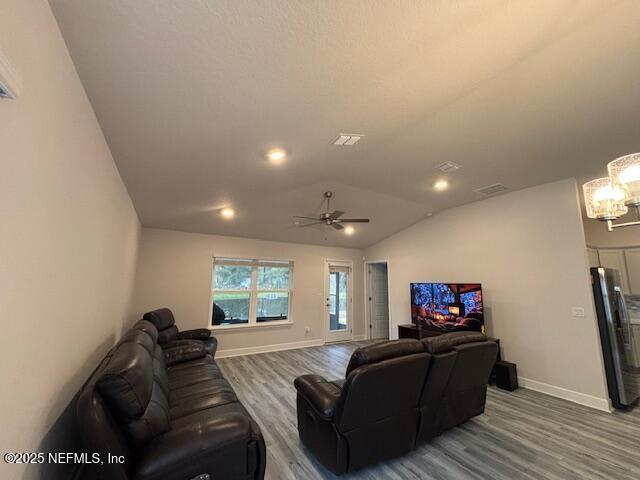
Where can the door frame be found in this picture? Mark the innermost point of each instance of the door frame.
(367, 312)
(325, 308)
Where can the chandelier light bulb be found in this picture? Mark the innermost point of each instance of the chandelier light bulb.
(603, 199)
(625, 174)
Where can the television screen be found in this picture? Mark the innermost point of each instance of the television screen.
(447, 307)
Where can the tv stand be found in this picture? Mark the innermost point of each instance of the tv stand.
(414, 331)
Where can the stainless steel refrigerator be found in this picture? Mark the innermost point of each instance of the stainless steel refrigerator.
(623, 377)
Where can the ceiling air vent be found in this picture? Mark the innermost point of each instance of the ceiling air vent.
(347, 139)
(492, 189)
(448, 167)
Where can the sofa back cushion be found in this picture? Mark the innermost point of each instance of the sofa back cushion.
(456, 385)
(133, 392)
(147, 327)
(100, 432)
(164, 321)
(378, 411)
(139, 337)
(382, 351)
(383, 388)
(446, 342)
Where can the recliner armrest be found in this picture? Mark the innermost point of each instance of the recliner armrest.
(321, 394)
(179, 351)
(200, 447)
(195, 334)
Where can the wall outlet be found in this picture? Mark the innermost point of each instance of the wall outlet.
(307, 330)
(577, 312)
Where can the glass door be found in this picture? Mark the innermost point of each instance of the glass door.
(338, 302)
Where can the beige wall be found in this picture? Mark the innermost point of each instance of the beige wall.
(597, 234)
(528, 250)
(174, 270)
(68, 237)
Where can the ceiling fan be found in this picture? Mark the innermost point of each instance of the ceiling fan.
(329, 218)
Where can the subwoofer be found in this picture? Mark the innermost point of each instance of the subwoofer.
(506, 376)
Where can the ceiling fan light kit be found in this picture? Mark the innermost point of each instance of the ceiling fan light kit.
(609, 198)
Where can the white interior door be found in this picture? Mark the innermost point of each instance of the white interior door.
(338, 301)
(378, 300)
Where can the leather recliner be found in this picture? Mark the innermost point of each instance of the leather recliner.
(456, 386)
(395, 395)
(371, 416)
(170, 417)
(170, 336)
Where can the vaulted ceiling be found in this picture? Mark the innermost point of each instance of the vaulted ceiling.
(191, 94)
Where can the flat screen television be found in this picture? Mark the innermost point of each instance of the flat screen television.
(447, 307)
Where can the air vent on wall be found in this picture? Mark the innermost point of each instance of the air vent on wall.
(448, 167)
(492, 189)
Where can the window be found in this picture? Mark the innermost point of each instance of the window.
(251, 292)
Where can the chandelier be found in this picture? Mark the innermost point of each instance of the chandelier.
(609, 198)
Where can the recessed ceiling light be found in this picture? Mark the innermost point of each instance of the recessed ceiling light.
(441, 185)
(277, 156)
(349, 230)
(228, 213)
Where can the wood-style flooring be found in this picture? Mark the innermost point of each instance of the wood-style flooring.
(522, 435)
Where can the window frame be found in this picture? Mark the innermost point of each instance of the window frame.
(253, 292)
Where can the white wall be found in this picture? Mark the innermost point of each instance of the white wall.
(175, 269)
(527, 248)
(597, 234)
(68, 237)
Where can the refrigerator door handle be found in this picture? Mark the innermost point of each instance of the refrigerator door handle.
(624, 318)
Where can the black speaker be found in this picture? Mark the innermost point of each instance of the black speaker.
(506, 376)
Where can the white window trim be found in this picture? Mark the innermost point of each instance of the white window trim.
(253, 292)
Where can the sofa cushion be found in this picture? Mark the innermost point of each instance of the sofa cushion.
(184, 351)
(208, 360)
(383, 351)
(139, 337)
(160, 369)
(127, 381)
(192, 376)
(446, 342)
(147, 327)
(214, 396)
(162, 318)
(212, 444)
(128, 385)
(155, 420)
(168, 334)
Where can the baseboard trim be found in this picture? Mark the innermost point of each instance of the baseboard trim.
(357, 338)
(598, 403)
(236, 352)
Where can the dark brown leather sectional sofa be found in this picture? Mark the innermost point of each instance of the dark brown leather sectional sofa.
(396, 394)
(168, 412)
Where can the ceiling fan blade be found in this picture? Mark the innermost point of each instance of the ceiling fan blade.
(353, 220)
(306, 218)
(337, 226)
(310, 224)
(336, 214)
